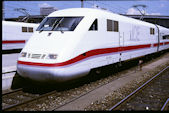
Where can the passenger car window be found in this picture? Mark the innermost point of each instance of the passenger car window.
(112, 25)
(166, 37)
(116, 26)
(30, 29)
(152, 31)
(94, 26)
(109, 25)
(24, 29)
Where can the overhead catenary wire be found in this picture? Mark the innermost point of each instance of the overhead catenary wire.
(110, 5)
(114, 8)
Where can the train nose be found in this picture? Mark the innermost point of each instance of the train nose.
(34, 73)
(50, 74)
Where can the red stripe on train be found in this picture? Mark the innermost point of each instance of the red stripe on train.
(166, 42)
(13, 41)
(86, 55)
(162, 43)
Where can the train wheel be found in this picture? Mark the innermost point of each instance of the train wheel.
(94, 74)
(98, 71)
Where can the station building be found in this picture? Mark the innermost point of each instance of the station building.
(47, 10)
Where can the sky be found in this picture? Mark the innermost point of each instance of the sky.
(153, 7)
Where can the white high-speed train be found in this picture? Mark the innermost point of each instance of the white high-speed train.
(69, 43)
(15, 34)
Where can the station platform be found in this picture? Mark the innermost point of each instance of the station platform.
(9, 62)
(7, 76)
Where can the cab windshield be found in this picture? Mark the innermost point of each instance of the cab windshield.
(59, 24)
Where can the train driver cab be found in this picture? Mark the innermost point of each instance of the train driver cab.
(59, 24)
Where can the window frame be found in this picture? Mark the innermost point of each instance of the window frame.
(24, 29)
(96, 27)
(165, 37)
(112, 25)
(58, 24)
(116, 26)
(109, 25)
(30, 29)
(152, 31)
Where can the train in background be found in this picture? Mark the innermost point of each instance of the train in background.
(15, 34)
(69, 43)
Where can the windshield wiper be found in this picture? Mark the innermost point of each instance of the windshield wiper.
(58, 25)
(60, 28)
(40, 30)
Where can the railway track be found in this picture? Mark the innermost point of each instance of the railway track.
(166, 105)
(147, 97)
(63, 98)
(17, 98)
(58, 98)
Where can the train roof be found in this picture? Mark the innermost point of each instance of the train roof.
(76, 12)
(12, 23)
(97, 13)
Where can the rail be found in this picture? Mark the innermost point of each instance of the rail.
(14, 106)
(165, 105)
(19, 89)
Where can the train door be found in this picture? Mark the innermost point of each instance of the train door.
(158, 37)
(121, 44)
(121, 39)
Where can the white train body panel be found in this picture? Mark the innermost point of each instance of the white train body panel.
(81, 50)
(12, 35)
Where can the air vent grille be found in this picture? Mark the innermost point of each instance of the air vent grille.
(36, 56)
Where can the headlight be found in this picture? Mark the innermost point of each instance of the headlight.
(23, 54)
(52, 56)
